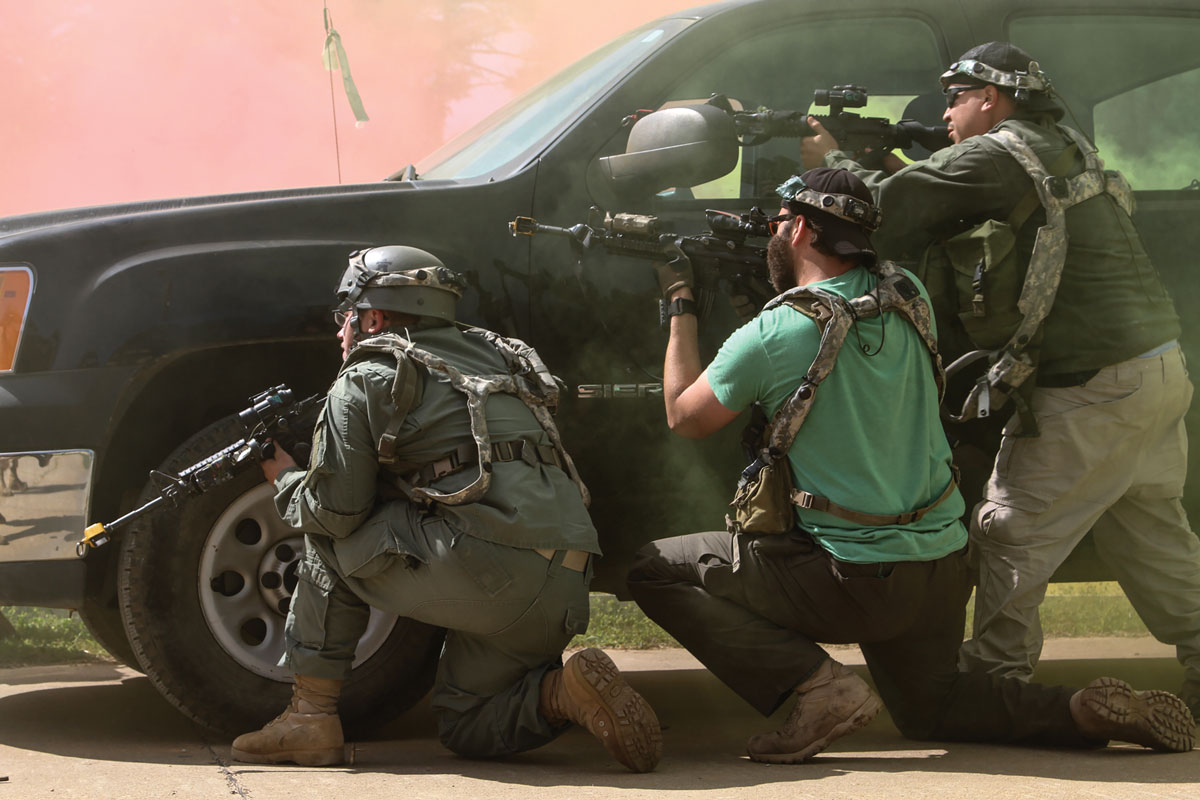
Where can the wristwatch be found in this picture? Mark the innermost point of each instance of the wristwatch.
(680, 305)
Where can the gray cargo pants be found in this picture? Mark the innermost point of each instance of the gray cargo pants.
(753, 609)
(508, 612)
(1112, 458)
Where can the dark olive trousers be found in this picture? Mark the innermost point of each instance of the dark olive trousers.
(753, 609)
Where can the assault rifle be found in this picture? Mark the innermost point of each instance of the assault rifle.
(274, 418)
(719, 256)
(854, 133)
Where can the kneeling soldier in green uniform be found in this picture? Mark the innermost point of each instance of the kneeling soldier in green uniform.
(439, 490)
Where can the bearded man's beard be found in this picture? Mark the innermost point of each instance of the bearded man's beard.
(780, 267)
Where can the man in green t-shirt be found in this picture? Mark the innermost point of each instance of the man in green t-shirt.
(884, 565)
(439, 490)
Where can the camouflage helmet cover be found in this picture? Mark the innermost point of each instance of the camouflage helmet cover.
(398, 278)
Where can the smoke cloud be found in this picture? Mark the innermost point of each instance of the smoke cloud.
(125, 100)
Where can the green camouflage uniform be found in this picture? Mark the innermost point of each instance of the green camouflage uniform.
(472, 568)
(1110, 398)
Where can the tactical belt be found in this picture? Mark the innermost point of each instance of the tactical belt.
(467, 454)
(817, 503)
(574, 560)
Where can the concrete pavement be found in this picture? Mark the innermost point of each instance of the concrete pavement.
(101, 731)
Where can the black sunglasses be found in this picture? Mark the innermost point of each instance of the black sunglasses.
(954, 91)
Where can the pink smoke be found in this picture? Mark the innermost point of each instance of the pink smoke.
(126, 100)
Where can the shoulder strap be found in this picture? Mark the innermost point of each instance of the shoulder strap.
(834, 315)
(1056, 193)
(406, 387)
(895, 292)
(477, 389)
(1031, 202)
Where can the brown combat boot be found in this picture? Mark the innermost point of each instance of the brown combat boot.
(1110, 709)
(833, 702)
(308, 732)
(590, 691)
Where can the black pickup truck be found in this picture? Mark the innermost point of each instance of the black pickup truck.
(130, 333)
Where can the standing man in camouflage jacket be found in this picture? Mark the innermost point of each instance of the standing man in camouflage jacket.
(439, 490)
(1098, 442)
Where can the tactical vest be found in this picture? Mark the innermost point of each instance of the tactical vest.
(765, 492)
(527, 378)
(1000, 332)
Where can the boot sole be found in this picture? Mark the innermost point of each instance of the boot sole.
(861, 716)
(1155, 719)
(324, 757)
(621, 718)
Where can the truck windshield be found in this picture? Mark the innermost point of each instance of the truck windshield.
(527, 120)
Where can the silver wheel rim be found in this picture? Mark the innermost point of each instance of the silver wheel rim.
(246, 578)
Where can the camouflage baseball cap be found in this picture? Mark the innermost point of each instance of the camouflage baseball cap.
(1001, 64)
(841, 204)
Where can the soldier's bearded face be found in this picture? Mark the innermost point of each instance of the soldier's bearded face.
(780, 265)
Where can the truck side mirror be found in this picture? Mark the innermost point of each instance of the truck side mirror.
(674, 147)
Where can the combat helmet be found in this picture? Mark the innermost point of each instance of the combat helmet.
(398, 278)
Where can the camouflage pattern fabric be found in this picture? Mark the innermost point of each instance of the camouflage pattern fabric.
(1056, 194)
(836, 316)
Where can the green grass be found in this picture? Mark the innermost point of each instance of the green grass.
(621, 625)
(1086, 609)
(1070, 609)
(46, 636)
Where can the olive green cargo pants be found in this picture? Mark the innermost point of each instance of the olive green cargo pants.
(508, 612)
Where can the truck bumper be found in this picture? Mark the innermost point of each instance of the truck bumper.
(44, 499)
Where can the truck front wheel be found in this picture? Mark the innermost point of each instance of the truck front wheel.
(204, 590)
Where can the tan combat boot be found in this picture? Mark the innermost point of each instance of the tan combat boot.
(308, 732)
(590, 691)
(1110, 709)
(833, 702)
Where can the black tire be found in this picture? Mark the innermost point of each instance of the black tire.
(100, 611)
(103, 621)
(212, 656)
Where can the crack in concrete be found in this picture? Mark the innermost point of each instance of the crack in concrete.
(235, 786)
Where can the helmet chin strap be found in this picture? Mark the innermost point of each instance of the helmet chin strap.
(356, 331)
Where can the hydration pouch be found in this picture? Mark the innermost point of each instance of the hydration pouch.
(987, 278)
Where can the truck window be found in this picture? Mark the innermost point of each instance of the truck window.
(895, 58)
(516, 128)
(1131, 81)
